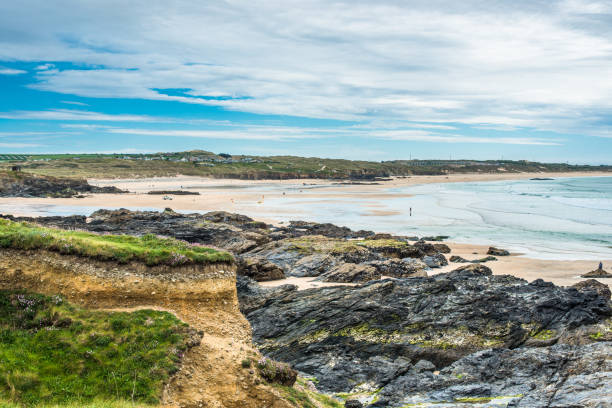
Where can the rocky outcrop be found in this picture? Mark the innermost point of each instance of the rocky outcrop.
(558, 376)
(364, 337)
(400, 268)
(350, 272)
(452, 339)
(301, 228)
(497, 252)
(594, 285)
(459, 259)
(194, 228)
(259, 269)
(265, 252)
(598, 273)
(17, 184)
(435, 261)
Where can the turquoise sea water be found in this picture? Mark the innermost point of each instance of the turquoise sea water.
(569, 218)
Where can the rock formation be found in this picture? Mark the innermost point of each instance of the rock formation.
(380, 334)
(497, 252)
(18, 184)
(598, 273)
(394, 338)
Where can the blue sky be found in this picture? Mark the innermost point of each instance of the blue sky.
(362, 80)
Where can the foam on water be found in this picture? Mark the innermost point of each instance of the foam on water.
(547, 219)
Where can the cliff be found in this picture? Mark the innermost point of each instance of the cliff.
(204, 296)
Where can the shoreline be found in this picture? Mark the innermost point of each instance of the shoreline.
(270, 201)
(338, 183)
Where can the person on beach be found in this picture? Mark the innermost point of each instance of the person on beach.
(600, 265)
(411, 211)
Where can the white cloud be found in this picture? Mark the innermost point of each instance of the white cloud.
(18, 145)
(74, 103)
(44, 67)
(10, 71)
(76, 115)
(542, 65)
(242, 134)
(423, 136)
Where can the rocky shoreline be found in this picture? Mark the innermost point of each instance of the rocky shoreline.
(18, 184)
(399, 337)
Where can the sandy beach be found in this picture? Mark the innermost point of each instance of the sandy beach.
(265, 200)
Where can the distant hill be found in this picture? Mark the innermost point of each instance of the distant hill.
(224, 165)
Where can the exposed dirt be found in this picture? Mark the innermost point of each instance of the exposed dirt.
(211, 375)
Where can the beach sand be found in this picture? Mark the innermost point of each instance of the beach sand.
(564, 273)
(251, 198)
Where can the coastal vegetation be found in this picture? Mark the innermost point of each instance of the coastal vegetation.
(149, 249)
(208, 164)
(54, 353)
(301, 395)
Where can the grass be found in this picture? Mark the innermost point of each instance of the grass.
(52, 352)
(265, 167)
(300, 396)
(92, 404)
(149, 249)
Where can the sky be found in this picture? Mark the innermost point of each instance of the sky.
(373, 80)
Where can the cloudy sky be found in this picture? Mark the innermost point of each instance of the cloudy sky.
(519, 79)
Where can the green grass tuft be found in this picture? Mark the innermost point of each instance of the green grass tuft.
(149, 249)
(52, 352)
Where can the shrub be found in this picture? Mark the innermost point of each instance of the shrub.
(276, 372)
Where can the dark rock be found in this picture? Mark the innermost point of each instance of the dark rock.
(259, 269)
(436, 238)
(459, 259)
(485, 259)
(375, 333)
(558, 376)
(173, 192)
(351, 273)
(312, 265)
(591, 284)
(497, 252)
(597, 273)
(425, 248)
(442, 248)
(353, 404)
(400, 268)
(301, 228)
(18, 184)
(252, 296)
(475, 269)
(435, 261)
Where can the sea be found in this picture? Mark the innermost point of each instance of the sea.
(561, 219)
